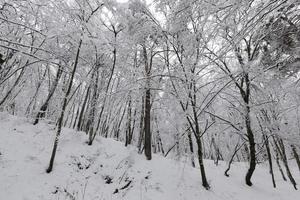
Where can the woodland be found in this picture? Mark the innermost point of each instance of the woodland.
(204, 80)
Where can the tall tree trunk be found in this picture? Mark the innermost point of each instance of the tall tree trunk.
(45, 105)
(128, 128)
(278, 161)
(147, 118)
(117, 131)
(267, 145)
(64, 105)
(76, 116)
(72, 114)
(252, 151)
(108, 84)
(83, 108)
(198, 135)
(147, 123)
(246, 97)
(91, 118)
(132, 128)
(281, 149)
(141, 129)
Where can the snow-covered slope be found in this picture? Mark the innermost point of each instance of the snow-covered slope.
(108, 170)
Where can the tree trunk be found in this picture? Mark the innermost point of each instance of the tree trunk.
(191, 148)
(117, 131)
(236, 149)
(281, 149)
(141, 130)
(296, 156)
(91, 118)
(128, 128)
(269, 159)
(147, 117)
(252, 152)
(61, 118)
(198, 135)
(45, 105)
(83, 108)
(147, 123)
(246, 97)
(201, 164)
(278, 162)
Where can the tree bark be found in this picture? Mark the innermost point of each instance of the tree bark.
(246, 97)
(191, 148)
(42, 111)
(281, 149)
(296, 156)
(141, 128)
(64, 105)
(91, 118)
(147, 117)
(269, 159)
(83, 108)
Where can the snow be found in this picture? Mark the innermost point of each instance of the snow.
(103, 171)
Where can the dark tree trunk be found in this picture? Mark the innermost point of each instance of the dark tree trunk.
(236, 149)
(160, 144)
(201, 164)
(132, 128)
(269, 159)
(278, 161)
(267, 145)
(198, 135)
(246, 97)
(296, 156)
(64, 105)
(107, 87)
(117, 131)
(128, 128)
(252, 154)
(73, 111)
(83, 108)
(141, 130)
(191, 148)
(147, 117)
(147, 123)
(281, 149)
(91, 117)
(43, 109)
(76, 117)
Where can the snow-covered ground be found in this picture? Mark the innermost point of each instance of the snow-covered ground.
(108, 170)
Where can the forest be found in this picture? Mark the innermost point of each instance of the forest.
(195, 81)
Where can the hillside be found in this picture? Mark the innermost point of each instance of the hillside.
(108, 170)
